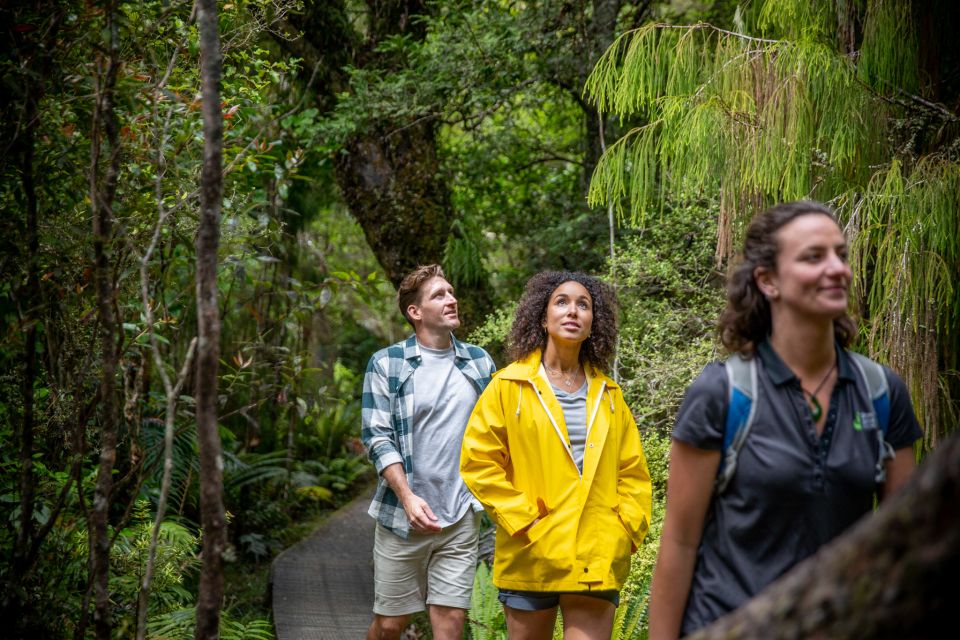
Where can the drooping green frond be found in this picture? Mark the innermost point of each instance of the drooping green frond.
(634, 54)
(463, 255)
(627, 171)
(186, 463)
(253, 468)
(911, 278)
(797, 19)
(804, 105)
(888, 58)
(761, 120)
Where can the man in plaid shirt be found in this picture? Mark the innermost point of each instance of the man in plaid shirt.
(417, 397)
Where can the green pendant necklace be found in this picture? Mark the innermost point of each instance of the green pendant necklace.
(816, 411)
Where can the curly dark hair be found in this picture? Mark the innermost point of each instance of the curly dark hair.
(746, 322)
(527, 333)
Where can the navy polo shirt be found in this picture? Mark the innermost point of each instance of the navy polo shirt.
(793, 491)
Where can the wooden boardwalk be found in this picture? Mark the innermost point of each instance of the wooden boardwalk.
(322, 587)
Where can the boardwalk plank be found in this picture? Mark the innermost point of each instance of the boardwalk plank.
(323, 586)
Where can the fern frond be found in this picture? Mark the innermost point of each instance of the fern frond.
(253, 468)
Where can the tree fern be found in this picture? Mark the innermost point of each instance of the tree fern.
(185, 461)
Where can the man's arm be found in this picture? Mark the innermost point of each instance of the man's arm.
(377, 431)
(899, 470)
(380, 439)
(419, 513)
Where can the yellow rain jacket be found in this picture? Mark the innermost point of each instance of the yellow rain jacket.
(516, 460)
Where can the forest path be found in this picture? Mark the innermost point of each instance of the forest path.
(323, 585)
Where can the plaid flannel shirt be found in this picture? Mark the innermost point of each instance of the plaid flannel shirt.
(387, 415)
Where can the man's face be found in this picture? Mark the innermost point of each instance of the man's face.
(437, 308)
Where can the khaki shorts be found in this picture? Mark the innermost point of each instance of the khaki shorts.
(425, 569)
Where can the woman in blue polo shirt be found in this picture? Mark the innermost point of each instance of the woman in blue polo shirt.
(808, 468)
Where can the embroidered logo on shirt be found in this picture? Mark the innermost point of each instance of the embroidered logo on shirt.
(864, 420)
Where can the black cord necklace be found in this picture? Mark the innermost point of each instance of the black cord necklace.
(816, 411)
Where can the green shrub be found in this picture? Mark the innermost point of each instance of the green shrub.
(670, 295)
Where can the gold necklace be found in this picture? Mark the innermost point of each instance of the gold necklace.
(566, 378)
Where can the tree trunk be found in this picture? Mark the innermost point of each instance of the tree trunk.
(390, 181)
(388, 171)
(102, 194)
(212, 513)
(890, 577)
(31, 296)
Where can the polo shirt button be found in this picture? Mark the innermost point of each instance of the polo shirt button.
(586, 570)
(591, 445)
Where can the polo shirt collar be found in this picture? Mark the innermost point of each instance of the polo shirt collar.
(780, 373)
(845, 368)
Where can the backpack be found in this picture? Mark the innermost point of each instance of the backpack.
(741, 411)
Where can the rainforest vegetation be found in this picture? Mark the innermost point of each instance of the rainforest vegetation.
(207, 207)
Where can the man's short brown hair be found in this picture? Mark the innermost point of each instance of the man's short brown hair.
(409, 291)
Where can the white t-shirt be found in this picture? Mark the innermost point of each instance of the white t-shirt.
(442, 403)
(574, 406)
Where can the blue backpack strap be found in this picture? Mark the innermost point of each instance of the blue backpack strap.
(879, 391)
(741, 408)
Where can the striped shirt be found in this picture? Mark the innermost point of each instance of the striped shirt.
(387, 416)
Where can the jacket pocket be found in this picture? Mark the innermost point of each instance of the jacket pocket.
(625, 530)
(535, 532)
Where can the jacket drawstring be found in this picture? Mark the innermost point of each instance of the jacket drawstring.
(519, 400)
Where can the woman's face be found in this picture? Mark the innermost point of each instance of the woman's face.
(812, 276)
(569, 315)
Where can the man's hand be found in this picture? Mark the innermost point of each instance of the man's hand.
(420, 515)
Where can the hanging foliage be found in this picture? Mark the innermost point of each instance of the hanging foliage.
(808, 100)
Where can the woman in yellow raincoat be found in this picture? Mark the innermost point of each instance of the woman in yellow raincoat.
(553, 453)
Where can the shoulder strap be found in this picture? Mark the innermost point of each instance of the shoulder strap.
(879, 391)
(876, 380)
(741, 408)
